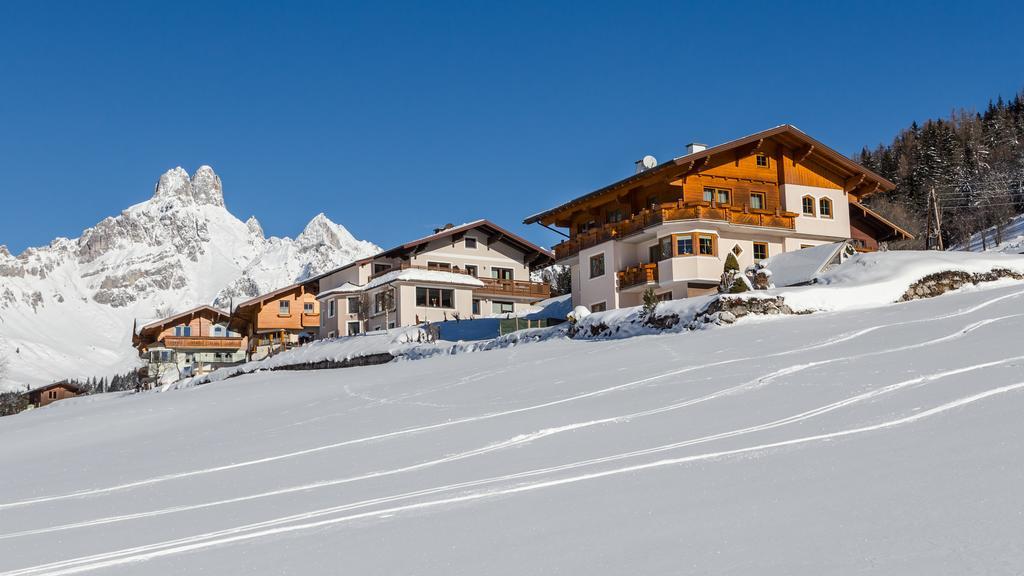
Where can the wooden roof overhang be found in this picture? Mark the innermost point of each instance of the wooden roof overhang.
(146, 335)
(886, 228)
(859, 181)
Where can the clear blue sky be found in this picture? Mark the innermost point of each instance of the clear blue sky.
(454, 112)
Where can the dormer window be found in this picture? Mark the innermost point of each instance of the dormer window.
(762, 160)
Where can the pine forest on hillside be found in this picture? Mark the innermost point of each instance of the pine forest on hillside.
(973, 160)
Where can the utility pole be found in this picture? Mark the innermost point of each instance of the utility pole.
(934, 213)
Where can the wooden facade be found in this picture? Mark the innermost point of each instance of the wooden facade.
(744, 177)
(280, 319)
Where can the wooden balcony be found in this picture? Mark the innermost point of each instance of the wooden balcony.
(202, 342)
(740, 215)
(514, 288)
(638, 276)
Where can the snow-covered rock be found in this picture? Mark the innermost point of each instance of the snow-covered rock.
(67, 308)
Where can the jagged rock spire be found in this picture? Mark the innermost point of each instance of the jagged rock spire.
(204, 187)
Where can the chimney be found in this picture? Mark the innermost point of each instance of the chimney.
(447, 226)
(694, 147)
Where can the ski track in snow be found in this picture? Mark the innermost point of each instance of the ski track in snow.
(534, 436)
(285, 524)
(429, 427)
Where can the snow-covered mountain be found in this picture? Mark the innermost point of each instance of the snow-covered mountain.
(66, 309)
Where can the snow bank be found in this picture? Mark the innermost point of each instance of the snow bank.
(880, 278)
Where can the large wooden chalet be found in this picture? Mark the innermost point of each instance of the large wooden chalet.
(670, 225)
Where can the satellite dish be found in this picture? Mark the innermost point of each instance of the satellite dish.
(649, 161)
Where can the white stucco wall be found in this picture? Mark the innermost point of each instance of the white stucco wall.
(837, 227)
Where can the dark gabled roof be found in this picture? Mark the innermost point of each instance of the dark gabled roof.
(61, 384)
(785, 130)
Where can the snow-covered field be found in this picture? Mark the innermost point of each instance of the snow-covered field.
(868, 440)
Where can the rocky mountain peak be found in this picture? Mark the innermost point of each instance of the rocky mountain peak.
(254, 226)
(203, 188)
(322, 231)
(206, 187)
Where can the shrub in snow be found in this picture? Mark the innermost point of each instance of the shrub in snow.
(650, 303)
(733, 281)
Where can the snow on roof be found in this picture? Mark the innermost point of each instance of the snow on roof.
(407, 275)
(801, 266)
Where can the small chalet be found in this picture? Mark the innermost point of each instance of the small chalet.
(670, 225)
(472, 270)
(279, 320)
(50, 393)
(193, 342)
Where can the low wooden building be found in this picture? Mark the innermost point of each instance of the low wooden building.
(50, 393)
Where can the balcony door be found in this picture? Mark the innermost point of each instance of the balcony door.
(501, 273)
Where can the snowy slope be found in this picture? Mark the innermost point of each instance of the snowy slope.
(884, 440)
(1012, 239)
(66, 310)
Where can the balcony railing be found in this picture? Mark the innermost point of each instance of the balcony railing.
(492, 286)
(672, 212)
(203, 342)
(638, 275)
(520, 288)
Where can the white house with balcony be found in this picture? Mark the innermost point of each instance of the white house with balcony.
(670, 226)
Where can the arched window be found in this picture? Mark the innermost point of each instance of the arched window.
(808, 205)
(825, 208)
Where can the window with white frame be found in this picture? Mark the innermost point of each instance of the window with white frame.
(331, 307)
(284, 308)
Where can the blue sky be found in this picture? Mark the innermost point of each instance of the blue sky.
(453, 111)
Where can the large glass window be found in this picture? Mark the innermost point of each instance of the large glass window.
(354, 305)
(597, 265)
(435, 297)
